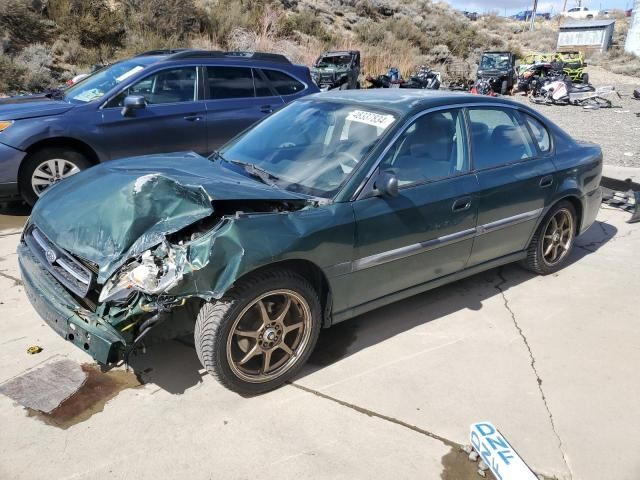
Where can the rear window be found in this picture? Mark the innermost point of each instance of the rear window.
(498, 137)
(262, 86)
(283, 83)
(229, 82)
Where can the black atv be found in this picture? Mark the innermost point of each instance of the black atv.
(424, 78)
(339, 69)
(499, 68)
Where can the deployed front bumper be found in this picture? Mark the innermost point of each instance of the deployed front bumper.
(59, 309)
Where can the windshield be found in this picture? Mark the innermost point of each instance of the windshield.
(309, 147)
(97, 84)
(334, 61)
(494, 61)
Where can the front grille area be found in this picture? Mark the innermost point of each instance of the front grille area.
(327, 77)
(69, 271)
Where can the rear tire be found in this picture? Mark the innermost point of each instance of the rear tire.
(46, 167)
(260, 333)
(552, 244)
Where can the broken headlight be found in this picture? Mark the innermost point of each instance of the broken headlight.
(154, 272)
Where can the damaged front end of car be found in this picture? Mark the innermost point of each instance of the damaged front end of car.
(146, 253)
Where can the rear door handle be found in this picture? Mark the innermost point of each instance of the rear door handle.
(193, 118)
(461, 204)
(266, 109)
(546, 181)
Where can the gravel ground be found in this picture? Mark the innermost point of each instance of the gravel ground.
(616, 129)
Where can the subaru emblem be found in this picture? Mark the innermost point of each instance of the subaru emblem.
(51, 255)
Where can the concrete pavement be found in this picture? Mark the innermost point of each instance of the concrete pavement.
(549, 360)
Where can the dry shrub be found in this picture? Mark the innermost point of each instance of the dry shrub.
(22, 25)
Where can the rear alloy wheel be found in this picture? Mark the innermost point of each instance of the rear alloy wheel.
(256, 337)
(48, 167)
(553, 241)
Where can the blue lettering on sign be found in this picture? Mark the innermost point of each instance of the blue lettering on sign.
(482, 426)
(504, 455)
(497, 440)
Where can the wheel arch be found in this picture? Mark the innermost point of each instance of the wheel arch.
(311, 272)
(58, 142)
(62, 142)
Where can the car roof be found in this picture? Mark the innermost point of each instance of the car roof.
(403, 101)
(207, 56)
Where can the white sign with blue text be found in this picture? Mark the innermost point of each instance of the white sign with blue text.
(498, 454)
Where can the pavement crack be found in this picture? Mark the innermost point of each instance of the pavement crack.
(371, 413)
(3, 235)
(499, 287)
(16, 281)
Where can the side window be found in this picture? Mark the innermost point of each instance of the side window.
(283, 83)
(262, 86)
(229, 82)
(167, 86)
(540, 133)
(498, 137)
(431, 148)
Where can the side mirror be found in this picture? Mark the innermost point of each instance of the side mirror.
(386, 184)
(131, 103)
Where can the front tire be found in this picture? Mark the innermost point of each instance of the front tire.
(504, 87)
(47, 167)
(260, 333)
(552, 244)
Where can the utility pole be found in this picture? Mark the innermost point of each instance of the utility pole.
(632, 45)
(533, 15)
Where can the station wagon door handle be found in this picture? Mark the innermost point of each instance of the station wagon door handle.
(193, 118)
(266, 109)
(546, 181)
(461, 204)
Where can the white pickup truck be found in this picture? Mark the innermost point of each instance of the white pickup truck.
(580, 13)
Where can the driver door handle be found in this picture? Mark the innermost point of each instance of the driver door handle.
(193, 118)
(266, 109)
(461, 204)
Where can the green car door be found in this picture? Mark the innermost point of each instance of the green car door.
(511, 157)
(426, 231)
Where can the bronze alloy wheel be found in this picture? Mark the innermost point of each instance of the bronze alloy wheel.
(558, 237)
(268, 336)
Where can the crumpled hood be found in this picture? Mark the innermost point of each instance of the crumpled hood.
(119, 209)
(31, 106)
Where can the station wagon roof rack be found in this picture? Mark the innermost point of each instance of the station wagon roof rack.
(162, 52)
(271, 57)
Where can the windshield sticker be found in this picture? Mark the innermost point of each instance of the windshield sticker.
(89, 95)
(380, 120)
(127, 74)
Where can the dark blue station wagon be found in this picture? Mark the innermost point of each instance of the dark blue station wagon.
(159, 101)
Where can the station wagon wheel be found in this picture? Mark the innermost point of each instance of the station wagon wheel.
(553, 241)
(50, 172)
(260, 333)
(46, 167)
(268, 336)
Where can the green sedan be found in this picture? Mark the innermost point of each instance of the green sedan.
(335, 205)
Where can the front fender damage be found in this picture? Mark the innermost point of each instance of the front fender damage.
(197, 263)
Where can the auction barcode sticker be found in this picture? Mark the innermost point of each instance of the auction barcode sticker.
(498, 454)
(380, 120)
